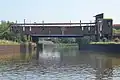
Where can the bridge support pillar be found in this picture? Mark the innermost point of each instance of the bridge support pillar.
(30, 38)
(39, 50)
(78, 40)
(39, 46)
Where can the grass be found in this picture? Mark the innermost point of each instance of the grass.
(6, 42)
(104, 42)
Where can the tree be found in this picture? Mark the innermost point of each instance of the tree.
(5, 33)
(4, 29)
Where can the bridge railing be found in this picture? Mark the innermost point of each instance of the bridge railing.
(50, 23)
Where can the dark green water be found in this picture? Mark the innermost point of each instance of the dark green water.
(64, 64)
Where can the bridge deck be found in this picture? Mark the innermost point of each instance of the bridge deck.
(55, 29)
(80, 35)
(38, 35)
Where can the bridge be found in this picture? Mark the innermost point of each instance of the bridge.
(99, 28)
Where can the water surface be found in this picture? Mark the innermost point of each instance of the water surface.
(65, 64)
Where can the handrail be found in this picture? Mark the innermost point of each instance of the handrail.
(50, 23)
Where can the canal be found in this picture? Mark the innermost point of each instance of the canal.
(64, 64)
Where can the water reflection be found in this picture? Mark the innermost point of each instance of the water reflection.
(101, 63)
(65, 64)
(49, 53)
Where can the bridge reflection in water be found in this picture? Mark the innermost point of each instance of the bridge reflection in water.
(93, 65)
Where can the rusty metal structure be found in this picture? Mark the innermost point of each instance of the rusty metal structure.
(99, 28)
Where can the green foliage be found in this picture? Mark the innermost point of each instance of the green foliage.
(104, 42)
(5, 30)
(116, 31)
(29, 38)
(66, 40)
(6, 34)
(6, 42)
(67, 45)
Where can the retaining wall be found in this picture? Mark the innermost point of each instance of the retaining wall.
(111, 48)
(13, 50)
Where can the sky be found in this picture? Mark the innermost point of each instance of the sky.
(58, 10)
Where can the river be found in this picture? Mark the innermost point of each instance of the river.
(64, 64)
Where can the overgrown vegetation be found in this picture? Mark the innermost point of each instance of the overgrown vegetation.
(67, 45)
(6, 34)
(6, 42)
(114, 41)
(104, 42)
(116, 31)
(63, 40)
